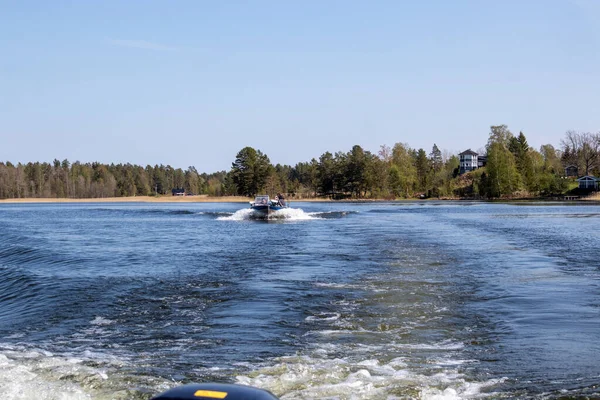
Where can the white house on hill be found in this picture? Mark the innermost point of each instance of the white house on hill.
(468, 161)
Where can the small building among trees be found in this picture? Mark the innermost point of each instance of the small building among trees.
(588, 182)
(571, 171)
(178, 192)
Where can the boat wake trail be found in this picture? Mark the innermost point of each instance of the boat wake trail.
(288, 214)
(35, 373)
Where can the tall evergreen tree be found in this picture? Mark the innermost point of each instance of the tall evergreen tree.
(522, 153)
(423, 168)
(436, 159)
(326, 173)
(250, 171)
(356, 171)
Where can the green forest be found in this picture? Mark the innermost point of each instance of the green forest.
(513, 170)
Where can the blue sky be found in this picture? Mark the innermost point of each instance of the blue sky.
(193, 82)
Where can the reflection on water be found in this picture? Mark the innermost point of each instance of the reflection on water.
(333, 300)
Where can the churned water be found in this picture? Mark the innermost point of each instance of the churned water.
(417, 300)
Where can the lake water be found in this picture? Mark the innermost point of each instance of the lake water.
(412, 300)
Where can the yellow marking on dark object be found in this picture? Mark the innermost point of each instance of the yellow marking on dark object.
(210, 394)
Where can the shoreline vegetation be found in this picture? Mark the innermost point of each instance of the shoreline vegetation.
(509, 170)
(149, 199)
(242, 199)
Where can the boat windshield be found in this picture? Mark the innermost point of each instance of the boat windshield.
(261, 200)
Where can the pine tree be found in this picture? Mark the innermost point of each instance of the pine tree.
(250, 171)
(435, 158)
(423, 168)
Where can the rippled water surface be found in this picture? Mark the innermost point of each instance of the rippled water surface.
(416, 300)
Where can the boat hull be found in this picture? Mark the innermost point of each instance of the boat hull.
(265, 211)
(264, 207)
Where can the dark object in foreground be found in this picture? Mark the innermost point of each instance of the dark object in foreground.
(205, 391)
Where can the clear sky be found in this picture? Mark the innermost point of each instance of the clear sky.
(193, 82)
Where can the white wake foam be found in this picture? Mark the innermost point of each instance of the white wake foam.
(239, 215)
(38, 374)
(289, 214)
(305, 377)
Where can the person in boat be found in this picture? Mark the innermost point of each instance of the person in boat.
(280, 200)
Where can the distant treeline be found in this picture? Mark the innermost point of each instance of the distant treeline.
(513, 169)
(93, 180)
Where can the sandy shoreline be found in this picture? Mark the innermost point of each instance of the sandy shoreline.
(592, 197)
(148, 199)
